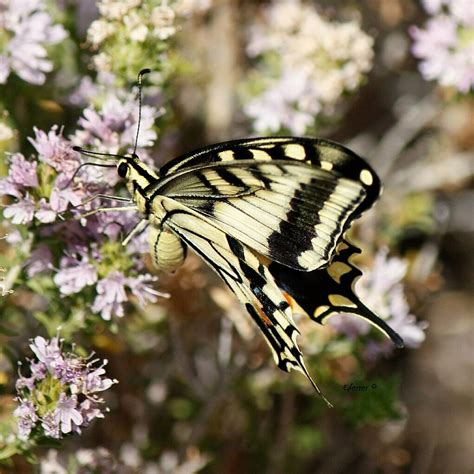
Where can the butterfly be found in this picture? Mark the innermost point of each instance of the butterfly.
(269, 216)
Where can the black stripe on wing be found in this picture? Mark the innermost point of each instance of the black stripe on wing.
(250, 280)
(321, 153)
(322, 293)
(289, 211)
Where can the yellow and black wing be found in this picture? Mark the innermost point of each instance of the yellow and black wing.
(288, 199)
(247, 277)
(331, 290)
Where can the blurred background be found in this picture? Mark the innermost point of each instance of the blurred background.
(198, 389)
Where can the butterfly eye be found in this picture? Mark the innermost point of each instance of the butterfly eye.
(122, 170)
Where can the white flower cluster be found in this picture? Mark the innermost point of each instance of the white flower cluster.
(127, 22)
(192, 7)
(160, 23)
(25, 29)
(445, 46)
(305, 63)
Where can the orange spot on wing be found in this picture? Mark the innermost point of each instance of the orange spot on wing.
(263, 316)
(289, 300)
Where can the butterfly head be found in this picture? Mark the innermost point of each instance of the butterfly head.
(122, 168)
(136, 174)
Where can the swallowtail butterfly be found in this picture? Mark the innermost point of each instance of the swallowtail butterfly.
(268, 215)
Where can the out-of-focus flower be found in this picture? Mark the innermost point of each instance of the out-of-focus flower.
(98, 460)
(446, 44)
(381, 289)
(61, 394)
(169, 462)
(102, 461)
(26, 29)
(127, 31)
(162, 18)
(50, 464)
(191, 7)
(4, 290)
(291, 103)
(6, 133)
(304, 65)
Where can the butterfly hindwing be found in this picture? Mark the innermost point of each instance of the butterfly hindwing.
(247, 277)
(331, 290)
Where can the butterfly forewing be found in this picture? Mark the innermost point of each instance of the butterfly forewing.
(288, 199)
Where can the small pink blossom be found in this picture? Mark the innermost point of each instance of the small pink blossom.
(95, 381)
(73, 279)
(60, 199)
(20, 212)
(23, 172)
(55, 150)
(113, 128)
(141, 289)
(67, 412)
(8, 188)
(49, 353)
(45, 214)
(110, 295)
(27, 418)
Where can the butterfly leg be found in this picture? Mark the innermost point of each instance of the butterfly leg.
(101, 196)
(137, 229)
(93, 198)
(107, 209)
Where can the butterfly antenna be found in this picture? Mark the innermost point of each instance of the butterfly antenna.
(140, 76)
(101, 165)
(94, 154)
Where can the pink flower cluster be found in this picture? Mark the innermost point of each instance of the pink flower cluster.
(27, 180)
(61, 394)
(85, 252)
